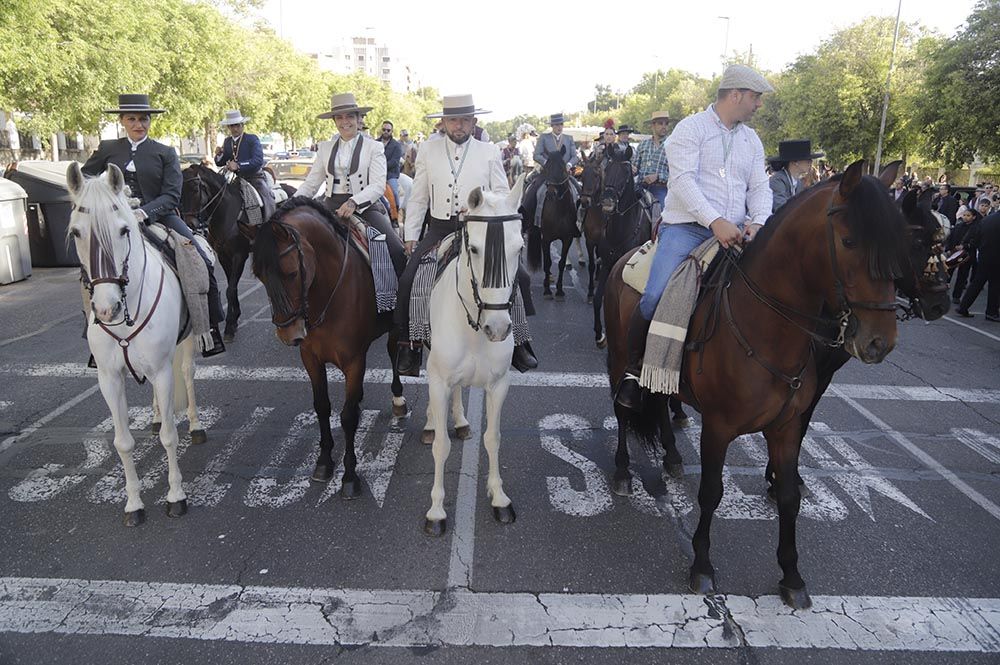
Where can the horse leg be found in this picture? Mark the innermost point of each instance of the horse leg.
(462, 429)
(163, 390)
(350, 416)
(591, 260)
(154, 426)
(713, 456)
(672, 462)
(435, 523)
(677, 408)
(602, 281)
(235, 267)
(566, 244)
(399, 409)
(197, 432)
(503, 509)
(113, 389)
(621, 482)
(316, 369)
(547, 266)
(783, 445)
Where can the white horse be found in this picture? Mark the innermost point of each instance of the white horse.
(138, 313)
(470, 315)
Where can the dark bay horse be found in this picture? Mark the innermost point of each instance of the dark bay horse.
(749, 364)
(924, 282)
(207, 199)
(322, 297)
(558, 221)
(593, 217)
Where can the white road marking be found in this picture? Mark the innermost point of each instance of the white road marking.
(532, 379)
(463, 535)
(39, 331)
(405, 618)
(595, 497)
(205, 489)
(55, 413)
(972, 328)
(5, 405)
(959, 484)
(979, 441)
(267, 490)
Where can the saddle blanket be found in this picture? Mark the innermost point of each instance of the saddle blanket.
(183, 257)
(375, 249)
(432, 264)
(636, 270)
(252, 203)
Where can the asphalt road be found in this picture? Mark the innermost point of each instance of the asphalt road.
(897, 543)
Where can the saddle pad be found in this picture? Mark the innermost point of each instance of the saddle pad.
(359, 236)
(252, 203)
(636, 270)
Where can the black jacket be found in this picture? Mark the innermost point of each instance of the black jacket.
(156, 167)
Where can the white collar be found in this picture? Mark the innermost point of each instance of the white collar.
(136, 145)
(455, 147)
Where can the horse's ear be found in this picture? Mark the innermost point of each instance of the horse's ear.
(74, 178)
(115, 178)
(628, 154)
(852, 177)
(475, 198)
(909, 202)
(888, 174)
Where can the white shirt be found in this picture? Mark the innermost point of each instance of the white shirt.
(135, 144)
(342, 165)
(715, 172)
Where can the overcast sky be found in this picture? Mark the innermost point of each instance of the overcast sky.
(519, 56)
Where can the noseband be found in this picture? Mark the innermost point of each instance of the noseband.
(481, 306)
(303, 310)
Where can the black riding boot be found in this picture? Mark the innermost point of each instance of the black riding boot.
(215, 315)
(524, 358)
(630, 392)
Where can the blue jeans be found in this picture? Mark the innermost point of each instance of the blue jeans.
(659, 192)
(394, 186)
(675, 242)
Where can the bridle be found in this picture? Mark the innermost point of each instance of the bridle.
(615, 194)
(934, 274)
(303, 310)
(476, 324)
(214, 202)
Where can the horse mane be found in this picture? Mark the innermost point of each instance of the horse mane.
(294, 202)
(97, 196)
(873, 220)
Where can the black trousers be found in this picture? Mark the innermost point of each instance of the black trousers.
(215, 313)
(962, 277)
(375, 217)
(436, 230)
(988, 272)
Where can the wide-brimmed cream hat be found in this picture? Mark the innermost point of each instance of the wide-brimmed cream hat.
(233, 117)
(659, 115)
(741, 77)
(344, 102)
(455, 105)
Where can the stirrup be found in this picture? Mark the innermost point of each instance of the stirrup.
(629, 392)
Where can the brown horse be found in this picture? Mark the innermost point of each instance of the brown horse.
(322, 297)
(748, 364)
(558, 221)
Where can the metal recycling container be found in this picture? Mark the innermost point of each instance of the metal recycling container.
(49, 207)
(15, 254)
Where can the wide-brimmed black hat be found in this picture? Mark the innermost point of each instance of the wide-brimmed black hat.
(134, 104)
(626, 128)
(794, 151)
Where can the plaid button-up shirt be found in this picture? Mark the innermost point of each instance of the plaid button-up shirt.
(698, 192)
(651, 159)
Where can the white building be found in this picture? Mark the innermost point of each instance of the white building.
(365, 54)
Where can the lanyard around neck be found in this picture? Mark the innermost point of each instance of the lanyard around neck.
(461, 164)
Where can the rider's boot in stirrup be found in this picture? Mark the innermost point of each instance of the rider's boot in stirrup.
(629, 393)
(217, 345)
(409, 357)
(523, 358)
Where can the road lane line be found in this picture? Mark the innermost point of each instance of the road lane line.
(47, 326)
(414, 618)
(41, 422)
(956, 482)
(972, 328)
(463, 534)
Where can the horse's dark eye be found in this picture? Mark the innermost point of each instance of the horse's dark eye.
(124, 231)
(849, 243)
(473, 249)
(292, 275)
(75, 233)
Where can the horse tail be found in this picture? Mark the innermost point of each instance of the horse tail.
(534, 249)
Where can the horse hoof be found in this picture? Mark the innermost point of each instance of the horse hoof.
(804, 491)
(198, 437)
(602, 343)
(463, 433)
(701, 584)
(436, 528)
(350, 489)
(135, 518)
(681, 421)
(622, 486)
(427, 437)
(674, 470)
(322, 473)
(590, 299)
(797, 599)
(177, 508)
(400, 410)
(229, 336)
(504, 514)
(547, 296)
(560, 296)
(155, 428)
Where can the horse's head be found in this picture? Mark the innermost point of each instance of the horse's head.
(491, 245)
(285, 263)
(104, 229)
(554, 169)
(865, 238)
(619, 185)
(925, 278)
(201, 194)
(591, 186)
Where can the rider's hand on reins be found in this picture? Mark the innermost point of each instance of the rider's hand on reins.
(727, 233)
(751, 231)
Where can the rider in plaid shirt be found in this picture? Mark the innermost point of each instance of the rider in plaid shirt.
(650, 158)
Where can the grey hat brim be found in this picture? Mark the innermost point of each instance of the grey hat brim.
(236, 121)
(360, 110)
(456, 115)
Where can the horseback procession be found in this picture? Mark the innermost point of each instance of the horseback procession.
(705, 290)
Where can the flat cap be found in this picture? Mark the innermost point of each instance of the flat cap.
(741, 77)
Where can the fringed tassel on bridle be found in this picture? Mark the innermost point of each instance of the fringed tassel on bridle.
(494, 261)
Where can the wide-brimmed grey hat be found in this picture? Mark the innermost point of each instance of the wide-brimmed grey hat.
(456, 105)
(233, 117)
(134, 103)
(344, 102)
(557, 119)
(741, 77)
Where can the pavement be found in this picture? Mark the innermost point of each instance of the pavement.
(897, 541)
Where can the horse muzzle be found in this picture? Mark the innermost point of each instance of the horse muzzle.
(497, 331)
(107, 313)
(292, 335)
(870, 349)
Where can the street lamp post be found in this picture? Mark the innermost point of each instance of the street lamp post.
(888, 80)
(725, 43)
